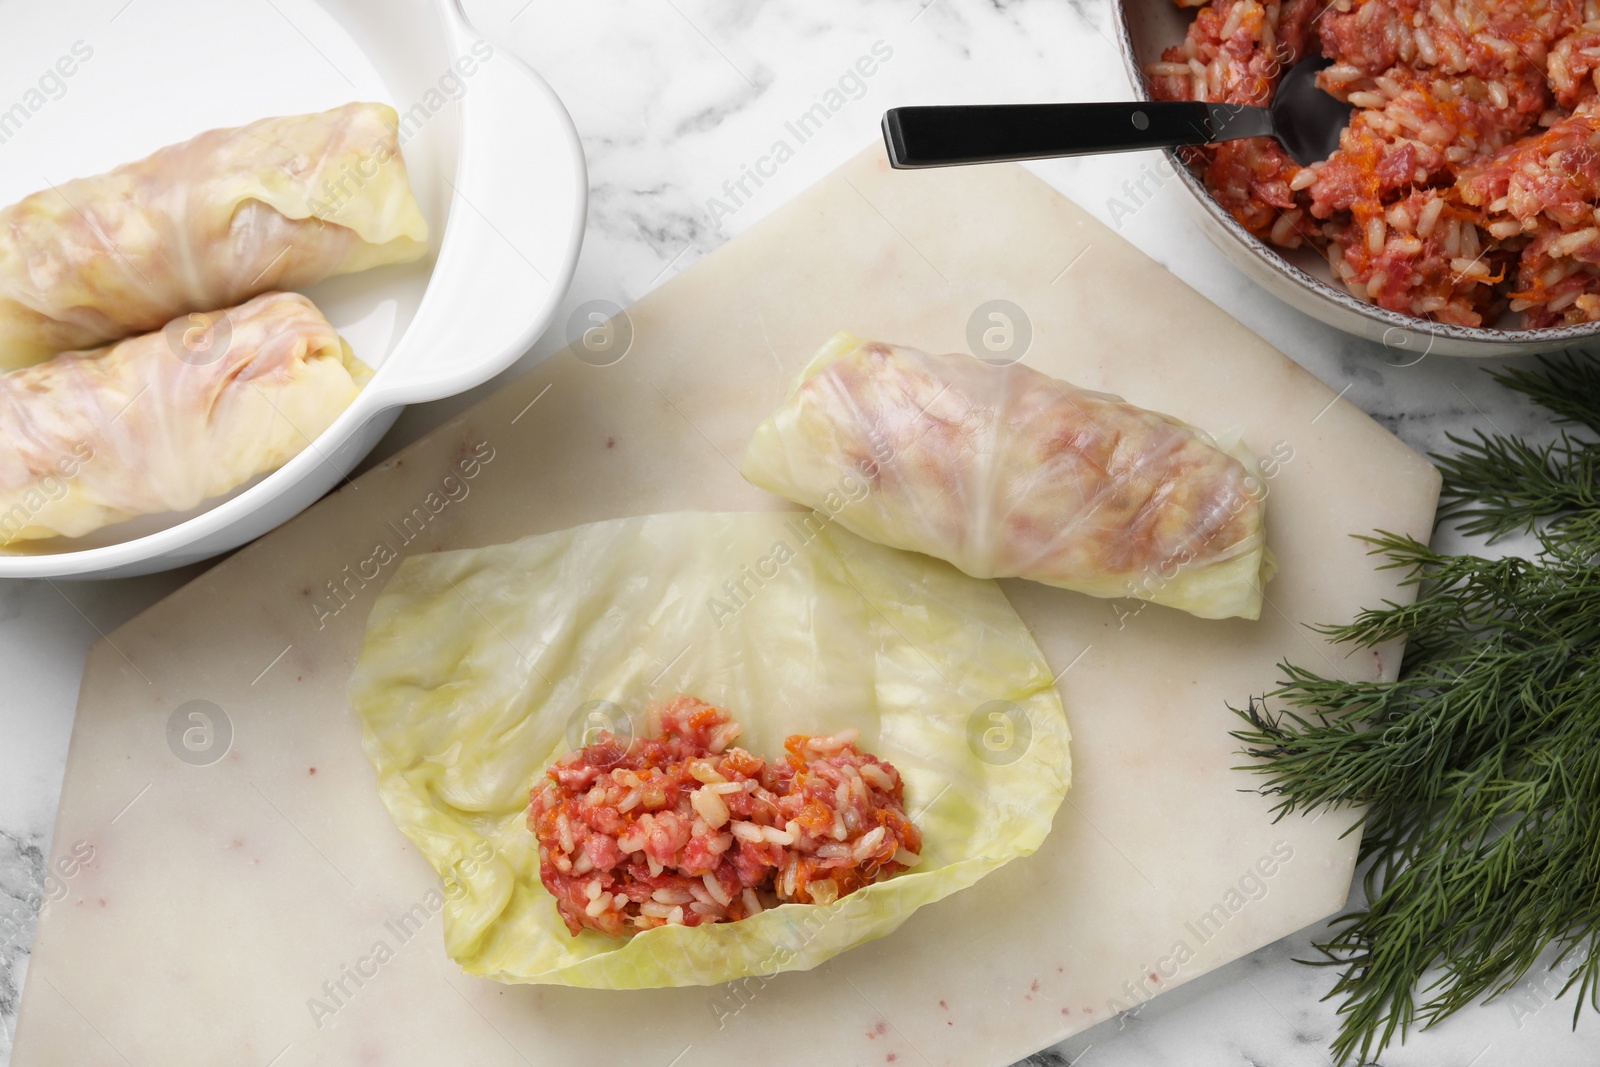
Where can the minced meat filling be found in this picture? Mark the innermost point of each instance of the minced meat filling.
(1464, 185)
(680, 828)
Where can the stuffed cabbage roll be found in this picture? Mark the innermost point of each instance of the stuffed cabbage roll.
(278, 204)
(149, 425)
(1007, 472)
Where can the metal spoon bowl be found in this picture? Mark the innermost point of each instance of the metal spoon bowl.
(1303, 118)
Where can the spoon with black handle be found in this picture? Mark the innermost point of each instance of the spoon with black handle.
(1304, 119)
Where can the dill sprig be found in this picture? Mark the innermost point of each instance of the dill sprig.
(1479, 766)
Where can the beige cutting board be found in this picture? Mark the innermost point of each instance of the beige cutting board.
(262, 909)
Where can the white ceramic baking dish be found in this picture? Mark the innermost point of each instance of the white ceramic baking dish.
(492, 155)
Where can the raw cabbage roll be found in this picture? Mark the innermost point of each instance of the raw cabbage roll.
(278, 204)
(480, 668)
(93, 438)
(1007, 472)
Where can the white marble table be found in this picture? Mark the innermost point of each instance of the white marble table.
(679, 101)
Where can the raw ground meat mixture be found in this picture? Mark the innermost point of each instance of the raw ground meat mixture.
(1468, 181)
(680, 828)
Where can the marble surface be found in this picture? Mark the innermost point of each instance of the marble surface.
(677, 101)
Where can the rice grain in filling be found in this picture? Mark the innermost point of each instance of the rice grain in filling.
(680, 828)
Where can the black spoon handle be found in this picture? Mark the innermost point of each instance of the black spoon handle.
(988, 133)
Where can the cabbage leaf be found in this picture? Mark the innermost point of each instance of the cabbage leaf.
(480, 667)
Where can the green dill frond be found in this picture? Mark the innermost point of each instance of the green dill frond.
(1478, 768)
